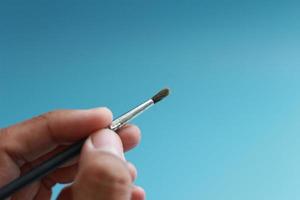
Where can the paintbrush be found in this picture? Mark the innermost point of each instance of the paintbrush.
(57, 160)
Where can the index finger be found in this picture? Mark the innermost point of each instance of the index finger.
(28, 140)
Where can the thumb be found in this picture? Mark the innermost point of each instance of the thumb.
(102, 174)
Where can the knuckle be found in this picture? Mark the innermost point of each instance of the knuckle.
(45, 119)
(40, 119)
(48, 115)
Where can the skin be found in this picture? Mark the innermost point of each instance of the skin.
(100, 172)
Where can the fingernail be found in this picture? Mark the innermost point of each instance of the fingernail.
(106, 140)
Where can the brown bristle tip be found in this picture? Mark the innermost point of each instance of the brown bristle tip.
(160, 95)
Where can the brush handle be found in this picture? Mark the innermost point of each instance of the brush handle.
(41, 170)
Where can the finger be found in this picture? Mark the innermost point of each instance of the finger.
(8, 169)
(42, 189)
(67, 174)
(43, 193)
(27, 193)
(28, 140)
(29, 165)
(138, 193)
(65, 194)
(103, 173)
(130, 136)
(63, 175)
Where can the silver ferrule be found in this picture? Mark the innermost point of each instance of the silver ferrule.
(125, 118)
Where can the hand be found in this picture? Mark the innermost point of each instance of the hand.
(100, 172)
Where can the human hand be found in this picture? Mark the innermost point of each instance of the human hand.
(100, 172)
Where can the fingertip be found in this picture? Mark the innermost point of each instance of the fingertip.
(130, 136)
(107, 111)
(103, 113)
(138, 193)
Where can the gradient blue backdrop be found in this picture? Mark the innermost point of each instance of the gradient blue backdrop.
(230, 130)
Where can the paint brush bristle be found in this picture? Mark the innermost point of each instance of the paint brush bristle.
(160, 95)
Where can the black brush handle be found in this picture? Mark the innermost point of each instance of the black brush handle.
(41, 170)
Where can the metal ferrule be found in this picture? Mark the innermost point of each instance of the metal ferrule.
(123, 119)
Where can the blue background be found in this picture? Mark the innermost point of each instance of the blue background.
(230, 129)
